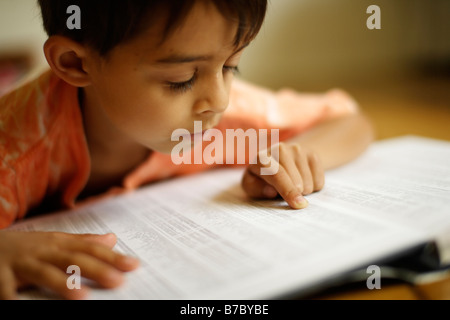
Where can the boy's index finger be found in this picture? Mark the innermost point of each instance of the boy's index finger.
(283, 183)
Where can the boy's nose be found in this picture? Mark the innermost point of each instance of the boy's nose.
(215, 97)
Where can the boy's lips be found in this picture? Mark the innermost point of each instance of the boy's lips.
(202, 130)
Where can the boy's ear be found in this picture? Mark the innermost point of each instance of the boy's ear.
(67, 58)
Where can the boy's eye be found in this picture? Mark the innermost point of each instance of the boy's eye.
(180, 87)
(232, 69)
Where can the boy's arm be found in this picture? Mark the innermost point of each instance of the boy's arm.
(9, 205)
(339, 140)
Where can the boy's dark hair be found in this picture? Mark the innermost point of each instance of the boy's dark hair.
(107, 23)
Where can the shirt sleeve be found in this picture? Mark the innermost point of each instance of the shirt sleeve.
(9, 205)
(289, 111)
(22, 172)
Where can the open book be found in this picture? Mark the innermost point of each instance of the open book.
(199, 237)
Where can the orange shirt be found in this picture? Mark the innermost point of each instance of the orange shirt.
(44, 153)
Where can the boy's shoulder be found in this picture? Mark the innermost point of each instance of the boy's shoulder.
(30, 112)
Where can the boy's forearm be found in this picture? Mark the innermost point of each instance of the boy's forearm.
(339, 140)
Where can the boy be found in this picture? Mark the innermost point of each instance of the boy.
(119, 86)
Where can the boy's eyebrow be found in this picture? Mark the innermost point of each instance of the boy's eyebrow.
(177, 58)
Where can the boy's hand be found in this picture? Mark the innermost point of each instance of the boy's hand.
(42, 258)
(298, 173)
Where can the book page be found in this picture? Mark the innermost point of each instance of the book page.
(200, 237)
(404, 180)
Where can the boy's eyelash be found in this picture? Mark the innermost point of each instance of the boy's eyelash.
(181, 87)
(234, 70)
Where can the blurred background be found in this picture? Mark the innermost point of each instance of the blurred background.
(399, 74)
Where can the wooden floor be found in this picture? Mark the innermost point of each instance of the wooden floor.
(418, 105)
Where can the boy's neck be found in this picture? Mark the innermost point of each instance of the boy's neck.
(107, 147)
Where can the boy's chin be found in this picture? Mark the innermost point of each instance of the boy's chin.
(174, 147)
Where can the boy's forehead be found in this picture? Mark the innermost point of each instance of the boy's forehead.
(201, 35)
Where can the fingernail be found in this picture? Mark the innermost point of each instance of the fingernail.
(270, 192)
(300, 202)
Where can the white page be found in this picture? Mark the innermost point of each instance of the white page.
(199, 237)
(404, 180)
